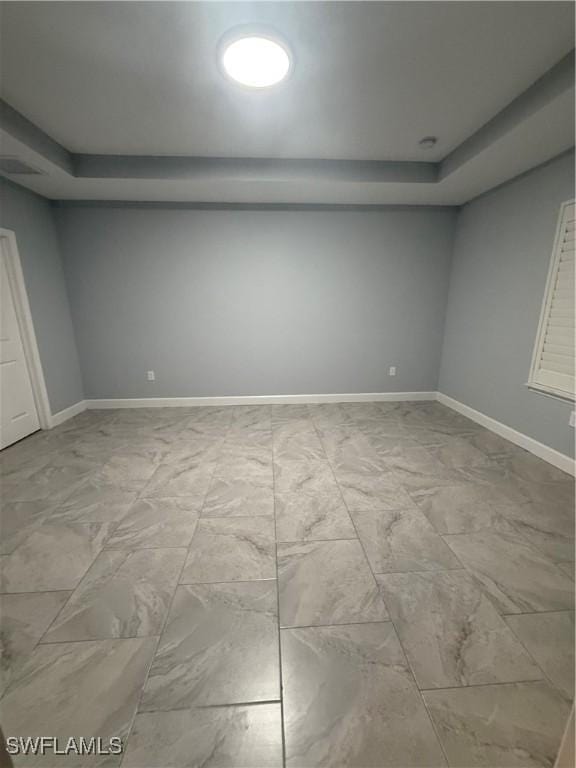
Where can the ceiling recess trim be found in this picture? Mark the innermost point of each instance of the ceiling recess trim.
(252, 169)
(550, 86)
(553, 84)
(29, 134)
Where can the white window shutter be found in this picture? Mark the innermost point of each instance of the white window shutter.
(553, 361)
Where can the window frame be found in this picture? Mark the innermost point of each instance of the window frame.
(546, 301)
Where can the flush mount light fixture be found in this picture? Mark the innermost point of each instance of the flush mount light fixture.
(255, 60)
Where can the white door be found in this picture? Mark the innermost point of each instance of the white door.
(18, 413)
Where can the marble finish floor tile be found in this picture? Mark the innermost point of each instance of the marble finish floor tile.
(50, 482)
(326, 582)
(95, 501)
(451, 632)
(384, 444)
(18, 464)
(417, 470)
(549, 637)
(304, 517)
(297, 442)
(23, 620)
(368, 464)
(213, 737)
(567, 568)
(190, 479)
(530, 467)
(130, 470)
(441, 426)
(182, 451)
(238, 497)
(101, 514)
(350, 700)
(516, 724)
(348, 450)
(156, 523)
(402, 540)
(454, 452)
(300, 449)
(220, 646)
(124, 594)
(548, 494)
(80, 689)
(550, 529)
(463, 508)
(313, 477)
(257, 445)
(518, 577)
(18, 519)
(231, 549)
(491, 444)
(288, 412)
(327, 415)
(251, 416)
(415, 460)
(54, 557)
(256, 468)
(371, 492)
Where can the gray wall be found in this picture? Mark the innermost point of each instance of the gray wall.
(256, 302)
(31, 219)
(501, 258)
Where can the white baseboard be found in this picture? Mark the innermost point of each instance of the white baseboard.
(175, 402)
(59, 418)
(552, 456)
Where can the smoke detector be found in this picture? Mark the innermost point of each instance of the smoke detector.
(428, 142)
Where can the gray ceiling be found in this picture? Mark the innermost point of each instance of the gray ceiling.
(370, 80)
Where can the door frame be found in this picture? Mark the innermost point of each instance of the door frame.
(26, 326)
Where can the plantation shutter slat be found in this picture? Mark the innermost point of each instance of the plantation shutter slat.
(554, 354)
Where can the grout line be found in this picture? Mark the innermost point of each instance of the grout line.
(425, 705)
(282, 723)
(234, 517)
(542, 679)
(36, 591)
(234, 581)
(235, 704)
(537, 613)
(534, 659)
(290, 627)
(414, 570)
(419, 691)
(99, 640)
(317, 541)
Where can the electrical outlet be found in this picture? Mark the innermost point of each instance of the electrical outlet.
(392, 370)
(150, 375)
(573, 419)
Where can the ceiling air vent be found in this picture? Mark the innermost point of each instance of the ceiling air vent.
(15, 167)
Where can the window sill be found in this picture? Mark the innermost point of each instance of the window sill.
(556, 395)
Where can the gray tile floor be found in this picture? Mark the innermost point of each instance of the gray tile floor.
(332, 585)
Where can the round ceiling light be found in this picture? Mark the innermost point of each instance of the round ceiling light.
(256, 61)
